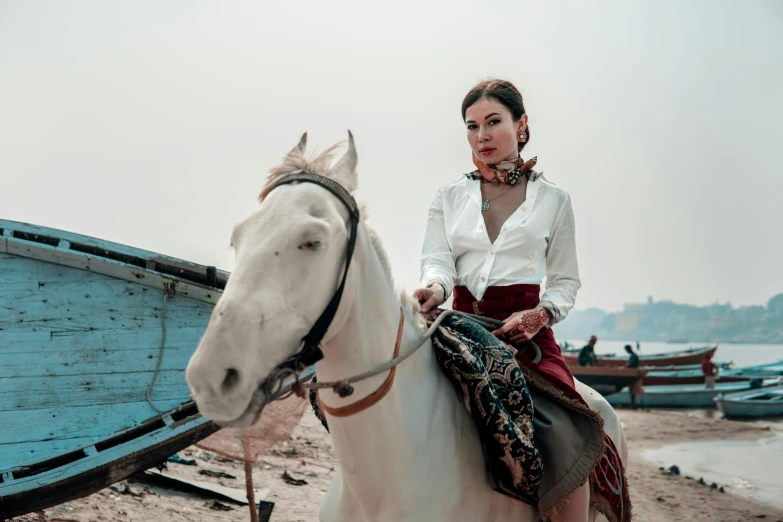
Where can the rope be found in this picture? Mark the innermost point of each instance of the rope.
(168, 291)
(300, 384)
(251, 497)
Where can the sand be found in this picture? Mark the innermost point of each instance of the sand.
(309, 457)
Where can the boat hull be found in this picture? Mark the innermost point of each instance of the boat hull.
(91, 390)
(753, 404)
(696, 376)
(680, 396)
(93, 472)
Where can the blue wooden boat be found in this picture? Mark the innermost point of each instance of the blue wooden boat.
(682, 396)
(94, 340)
(696, 375)
(752, 404)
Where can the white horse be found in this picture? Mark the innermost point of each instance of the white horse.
(413, 456)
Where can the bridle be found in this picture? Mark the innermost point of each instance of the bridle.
(311, 352)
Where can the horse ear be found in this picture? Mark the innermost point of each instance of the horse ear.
(299, 150)
(344, 171)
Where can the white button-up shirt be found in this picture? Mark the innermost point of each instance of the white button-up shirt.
(536, 241)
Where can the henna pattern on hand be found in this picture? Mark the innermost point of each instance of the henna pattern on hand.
(531, 322)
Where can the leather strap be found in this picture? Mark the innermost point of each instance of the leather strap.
(311, 344)
(377, 395)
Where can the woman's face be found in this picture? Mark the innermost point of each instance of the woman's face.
(492, 132)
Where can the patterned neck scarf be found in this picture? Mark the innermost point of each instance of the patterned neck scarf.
(505, 172)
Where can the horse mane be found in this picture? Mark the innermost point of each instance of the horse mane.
(296, 161)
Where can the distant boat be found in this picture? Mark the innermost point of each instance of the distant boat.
(696, 375)
(607, 380)
(752, 404)
(682, 396)
(81, 335)
(678, 358)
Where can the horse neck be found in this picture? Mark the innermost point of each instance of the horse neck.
(368, 331)
(378, 447)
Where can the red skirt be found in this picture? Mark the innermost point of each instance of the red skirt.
(499, 302)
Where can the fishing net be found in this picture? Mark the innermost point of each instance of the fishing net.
(248, 445)
(278, 420)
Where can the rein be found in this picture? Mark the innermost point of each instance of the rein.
(299, 385)
(278, 385)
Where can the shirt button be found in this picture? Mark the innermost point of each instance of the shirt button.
(484, 278)
(491, 253)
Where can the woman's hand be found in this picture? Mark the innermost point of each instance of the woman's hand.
(523, 326)
(429, 297)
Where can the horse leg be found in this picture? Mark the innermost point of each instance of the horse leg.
(338, 504)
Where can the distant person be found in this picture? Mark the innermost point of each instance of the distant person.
(710, 371)
(587, 355)
(633, 357)
(636, 387)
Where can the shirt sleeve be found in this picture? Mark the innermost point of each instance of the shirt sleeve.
(562, 268)
(437, 261)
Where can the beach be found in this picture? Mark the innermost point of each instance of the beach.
(296, 474)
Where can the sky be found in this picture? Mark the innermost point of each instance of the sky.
(154, 124)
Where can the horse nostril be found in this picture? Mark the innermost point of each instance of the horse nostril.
(231, 379)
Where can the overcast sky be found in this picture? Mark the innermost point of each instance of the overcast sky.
(154, 123)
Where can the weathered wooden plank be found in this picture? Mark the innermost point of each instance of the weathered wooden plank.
(92, 473)
(3, 245)
(58, 297)
(142, 275)
(58, 429)
(109, 340)
(24, 453)
(35, 393)
(93, 359)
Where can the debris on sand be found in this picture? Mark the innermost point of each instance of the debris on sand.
(292, 480)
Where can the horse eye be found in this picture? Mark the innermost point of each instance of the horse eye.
(310, 245)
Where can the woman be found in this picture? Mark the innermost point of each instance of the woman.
(494, 235)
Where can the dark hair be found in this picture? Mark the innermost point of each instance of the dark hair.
(503, 92)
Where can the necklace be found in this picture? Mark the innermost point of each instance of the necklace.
(485, 203)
